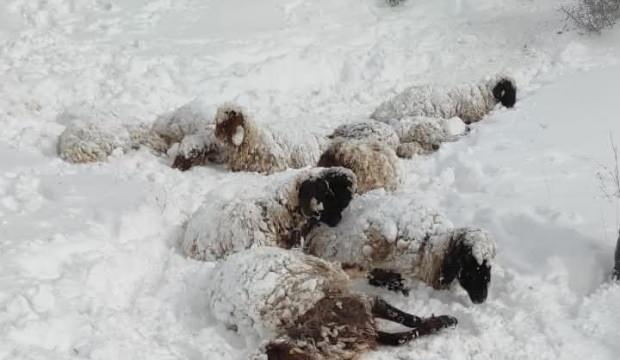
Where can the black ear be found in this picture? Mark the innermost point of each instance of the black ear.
(451, 265)
(505, 92)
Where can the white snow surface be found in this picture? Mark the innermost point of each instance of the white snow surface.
(91, 266)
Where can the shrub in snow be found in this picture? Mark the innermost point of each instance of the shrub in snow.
(396, 235)
(470, 102)
(394, 2)
(616, 273)
(374, 164)
(278, 212)
(303, 308)
(93, 135)
(594, 15)
(261, 148)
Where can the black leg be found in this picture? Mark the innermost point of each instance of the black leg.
(387, 279)
(382, 310)
(429, 326)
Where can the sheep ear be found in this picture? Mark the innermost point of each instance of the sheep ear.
(451, 265)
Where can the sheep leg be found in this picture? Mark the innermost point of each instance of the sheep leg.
(429, 326)
(382, 310)
(387, 279)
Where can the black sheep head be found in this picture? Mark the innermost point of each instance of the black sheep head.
(325, 197)
(505, 92)
(459, 263)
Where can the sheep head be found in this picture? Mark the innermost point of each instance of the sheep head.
(505, 92)
(231, 122)
(468, 260)
(325, 196)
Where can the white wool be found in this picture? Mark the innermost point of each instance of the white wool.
(367, 130)
(188, 119)
(270, 148)
(92, 135)
(382, 230)
(262, 291)
(200, 142)
(257, 216)
(470, 102)
(454, 126)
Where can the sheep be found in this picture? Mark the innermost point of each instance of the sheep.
(367, 130)
(374, 164)
(301, 307)
(393, 234)
(470, 102)
(261, 148)
(93, 135)
(277, 213)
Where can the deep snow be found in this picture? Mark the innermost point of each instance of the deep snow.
(89, 254)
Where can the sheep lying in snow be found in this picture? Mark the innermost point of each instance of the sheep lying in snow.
(374, 164)
(393, 234)
(93, 135)
(303, 308)
(468, 102)
(278, 213)
(261, 148)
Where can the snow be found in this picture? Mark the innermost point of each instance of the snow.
(91, 264)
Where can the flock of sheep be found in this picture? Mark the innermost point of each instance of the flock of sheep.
(330, 207)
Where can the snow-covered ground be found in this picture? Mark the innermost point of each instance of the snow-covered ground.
(90, 266)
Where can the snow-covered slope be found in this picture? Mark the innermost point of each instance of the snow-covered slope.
(90, 262)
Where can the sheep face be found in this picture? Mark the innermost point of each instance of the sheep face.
(460, 263)
(324, 198)
(230, 126)
(505, 92)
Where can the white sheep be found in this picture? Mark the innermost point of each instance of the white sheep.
(93, 135)
(303, 308)
(374, 164)
(470, 102)
(278, 212)
(394, 234)
(264, 149)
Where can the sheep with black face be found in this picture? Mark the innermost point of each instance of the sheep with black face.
(277, 212)
(469, 102)
(390, 235)
(302, 307)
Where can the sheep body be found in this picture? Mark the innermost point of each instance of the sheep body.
(367, 130)
(263, 291)
(93, 136)
(374, 164)
(470, 102)
(271, 214)
(393, 233)
(262, 148)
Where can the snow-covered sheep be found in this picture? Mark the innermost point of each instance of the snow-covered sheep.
(470, 102)
(301, 307)
(395, 234)
(367, 130)
(420, 135)
(278, 212)
(262, 148)
(93, 135)
(374, 164)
